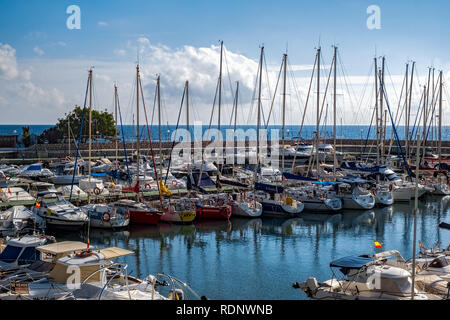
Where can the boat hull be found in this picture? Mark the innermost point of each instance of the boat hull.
(244, 210)
(406, 194)
(144, 217)
(64, 223)
(207, 212)
(278, 210)
(179, 217)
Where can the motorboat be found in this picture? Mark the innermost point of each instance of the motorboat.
(20, 252)
(60, 213)
(40, 189)
(35, 172)
(106, 217)
(364, 278)
(405, 191)
(76, 191)
(99, 278)
(383, 194)
(434, 275)
(352, 195)
(18, 220)
(65, 179)
(93, 186)
(141, 213)
(15, 194)
(46, 255)
(315, 198)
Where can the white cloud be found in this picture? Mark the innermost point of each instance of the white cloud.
(26, 102)
(8, 63)
(102, 24)
(38, 51)
(120, 52)
(62, 43)
(58, 91)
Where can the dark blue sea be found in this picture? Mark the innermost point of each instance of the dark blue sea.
(167, 132)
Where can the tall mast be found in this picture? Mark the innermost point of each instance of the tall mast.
(424, 131)
(382, 134)
(318, 111)
(284, 111)
(187, 122)
(158, 86)
(117, 130)
(236, 99)
(259, 110)
(68, 131)
(416, 196)
(409, 103)
(334, 112)
(90, 134)
(376, 110)
(220, 85)
(440, 119)
(137, 128)
(406, 112)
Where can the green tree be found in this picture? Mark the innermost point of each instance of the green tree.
(26, 137)
(103, 127)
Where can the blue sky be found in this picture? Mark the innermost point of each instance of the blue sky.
(37, 31)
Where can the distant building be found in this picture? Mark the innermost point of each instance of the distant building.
(9, 141)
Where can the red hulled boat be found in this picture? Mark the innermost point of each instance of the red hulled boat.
(212, 208)
(140, 212)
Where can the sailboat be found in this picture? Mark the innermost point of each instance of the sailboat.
(174, 210)
(142, 213)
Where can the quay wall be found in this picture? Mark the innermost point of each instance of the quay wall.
(108, 149)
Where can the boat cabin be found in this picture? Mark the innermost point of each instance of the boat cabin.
(87, 262)
(21, 252)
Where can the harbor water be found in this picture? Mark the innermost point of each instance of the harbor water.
(261, 258)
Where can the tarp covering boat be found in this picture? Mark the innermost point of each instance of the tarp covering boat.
(114, 252)
(233, 183)
(291, 176)
(351, 262)
(192, 182)
(268, 188)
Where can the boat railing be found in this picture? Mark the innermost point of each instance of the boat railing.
(174, 282)
(119, 268)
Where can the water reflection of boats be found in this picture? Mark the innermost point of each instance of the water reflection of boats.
(245, 223)
(213, 225)
(155, 231)
(277, 226)
(382, 213)
(404, 208)
(350, 219)
(314, 218)
(108, 237)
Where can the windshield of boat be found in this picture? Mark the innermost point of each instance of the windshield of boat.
(401, 286)
(29, 255)
(10, 254)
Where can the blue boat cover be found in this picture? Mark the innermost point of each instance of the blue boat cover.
(35, 167)
(268, 188)
(291, 176)
(351, 262)
(98, 174)
(326, 183)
